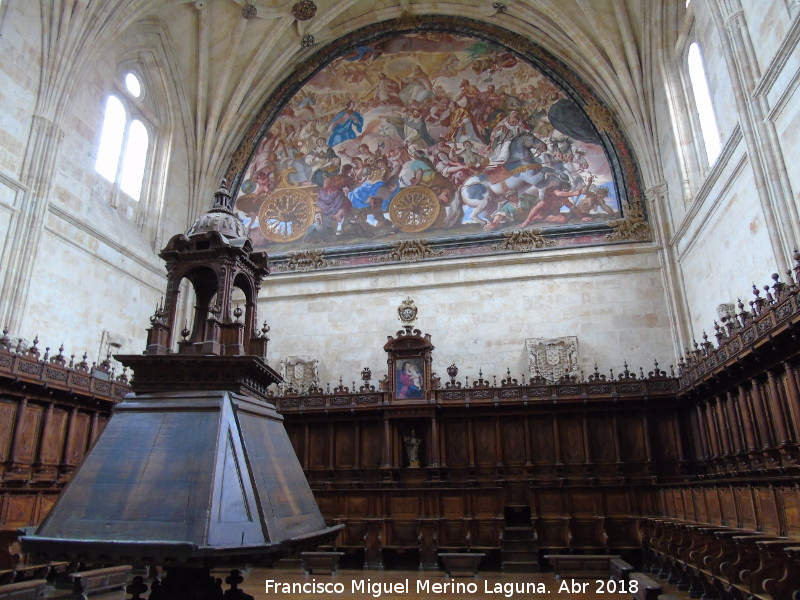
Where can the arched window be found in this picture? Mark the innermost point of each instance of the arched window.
(124, 140)
(702, 100)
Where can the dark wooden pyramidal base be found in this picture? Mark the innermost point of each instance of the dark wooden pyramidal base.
(195, 469)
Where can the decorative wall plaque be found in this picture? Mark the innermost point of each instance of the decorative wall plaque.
(299, 373)
(553, 358)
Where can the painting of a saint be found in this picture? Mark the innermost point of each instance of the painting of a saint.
(408, 382)
(425, 135)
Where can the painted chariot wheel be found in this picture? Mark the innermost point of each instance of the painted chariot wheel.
(414, 209)
(285, 214)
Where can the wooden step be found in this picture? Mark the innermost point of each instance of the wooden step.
(515, 566)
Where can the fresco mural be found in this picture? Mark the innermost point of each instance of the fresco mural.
(420, 136)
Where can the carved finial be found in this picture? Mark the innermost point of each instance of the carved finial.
(46, 354)
(33, 350)
(237, 312)
(407, 313)
(59, 358)
(265, 330)
(185, 331)
(222, 198)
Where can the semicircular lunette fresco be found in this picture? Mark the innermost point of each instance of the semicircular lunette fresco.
(430, 144)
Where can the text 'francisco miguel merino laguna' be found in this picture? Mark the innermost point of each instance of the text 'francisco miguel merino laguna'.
(376, 589)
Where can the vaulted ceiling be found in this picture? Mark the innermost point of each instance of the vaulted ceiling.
(228, 56)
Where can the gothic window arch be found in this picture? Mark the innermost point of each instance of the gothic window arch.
(703, 106)
(694, 124)
(124, 152)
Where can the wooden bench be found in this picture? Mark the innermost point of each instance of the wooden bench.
(464, 564)
(99, 580)
(647, 589)
(27, 572)
(32, 589)
(320, 562)
(581, 565)
(620, 570)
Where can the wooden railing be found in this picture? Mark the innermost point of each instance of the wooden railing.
(54, 408)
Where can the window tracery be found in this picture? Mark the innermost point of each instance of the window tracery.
(124, 140)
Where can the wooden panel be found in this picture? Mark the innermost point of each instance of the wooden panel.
(8, 410)
(631, 437)
(622, 533)
(484, 505)
(570, 434)
(453, 534)
(356, 506)
(791, 509)
(28, 435)
(319, 450)
(354, 534)
(456, 450)
(402, 534)
(486, 533)
(453, 506)
(770, 522)
(587, 533)
(668, 499)
(584, 503)
(553, 533)
(662, 437)
(746, 509)
(79, 440)
(689, 511)
(729, 516)
(550, 503)
(485, 448)
(699, 503)
(371, 444)
(53, 444)
(713, 506)
(329, 506)
(344, 441)
(542, 445)
(18, 510)
(401, 506)
(601, 438)
(513, 432)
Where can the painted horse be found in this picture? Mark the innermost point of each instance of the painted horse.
(520, 173)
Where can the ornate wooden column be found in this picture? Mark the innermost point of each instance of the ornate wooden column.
(793, 399)
(761, 415)
(747, 419)
(776, 406)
